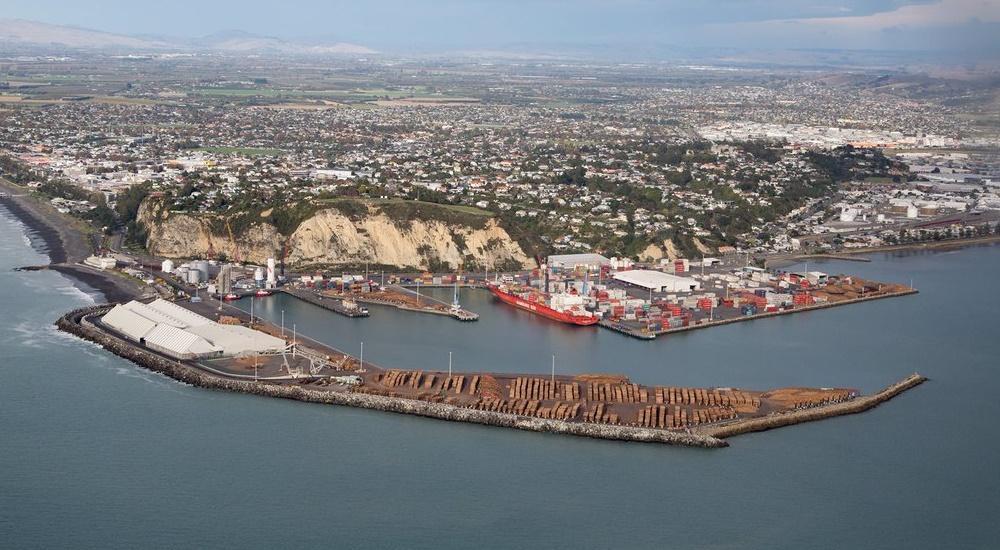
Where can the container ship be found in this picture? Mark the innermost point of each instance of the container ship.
(535, 303)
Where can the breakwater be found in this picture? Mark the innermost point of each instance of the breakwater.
(777, 420)
(75, 322)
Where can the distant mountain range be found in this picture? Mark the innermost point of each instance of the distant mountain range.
(19, 32)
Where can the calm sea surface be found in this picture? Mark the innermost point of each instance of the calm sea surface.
(97, 453)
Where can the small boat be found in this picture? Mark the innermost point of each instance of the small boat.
(261, 293)
(352, 306)
(230, 297)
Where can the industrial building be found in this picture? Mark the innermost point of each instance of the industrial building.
(657, 281)
(180, 333)
(592, 262)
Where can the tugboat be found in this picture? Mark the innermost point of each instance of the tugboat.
(353, 307)
(261, 293)
(230, 297)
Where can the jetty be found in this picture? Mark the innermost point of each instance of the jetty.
(399, 298)
(331, 303)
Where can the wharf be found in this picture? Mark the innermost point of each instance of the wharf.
(331, 303)
(407, 300)
(626, 330)
(797, 309)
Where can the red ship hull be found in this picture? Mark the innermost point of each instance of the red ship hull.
(542, 309)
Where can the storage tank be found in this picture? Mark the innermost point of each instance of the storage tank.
(258, 276)
(194, 276)
(272, 278)
(202, 267)
(167, 266)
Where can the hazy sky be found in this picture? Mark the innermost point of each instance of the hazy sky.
(396, 25)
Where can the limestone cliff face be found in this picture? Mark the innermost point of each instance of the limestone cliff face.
(332, 238)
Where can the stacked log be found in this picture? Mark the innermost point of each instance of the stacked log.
(620, 393)
(541, 388)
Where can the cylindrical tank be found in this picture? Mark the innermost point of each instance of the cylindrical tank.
(194, 276)
(167, 266)
(202, 267)
(258, 275)
(271, 275)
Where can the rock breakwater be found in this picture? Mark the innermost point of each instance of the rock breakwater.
(75, 322)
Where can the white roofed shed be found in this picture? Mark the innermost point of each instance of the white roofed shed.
(657, 280)
(127, 322)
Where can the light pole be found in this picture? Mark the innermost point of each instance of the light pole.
(282, 323)
(553, 372)
(361, 360)
(449, 365)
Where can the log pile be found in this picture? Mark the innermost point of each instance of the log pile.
(539, 388)
(619, 393)
(558, 410)
(704, 397)
(675, 416)
(600, 415)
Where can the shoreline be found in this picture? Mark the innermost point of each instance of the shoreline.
(64, 245)
(851, 254)
(34, 226)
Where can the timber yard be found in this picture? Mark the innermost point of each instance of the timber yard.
(188, 324)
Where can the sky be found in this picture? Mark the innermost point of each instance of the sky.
(455, 25)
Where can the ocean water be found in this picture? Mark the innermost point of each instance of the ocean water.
(97, 453)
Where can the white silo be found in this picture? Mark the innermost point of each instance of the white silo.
(272, 279)
(194, 276)
(258, 277)
(202, 267)
(167, 266)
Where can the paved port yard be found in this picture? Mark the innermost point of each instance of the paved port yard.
(839, 292)
(593, 399)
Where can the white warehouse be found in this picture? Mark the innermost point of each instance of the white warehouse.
(592, 262)
(657, 281)
(178, 332)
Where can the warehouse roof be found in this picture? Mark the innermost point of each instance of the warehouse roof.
(188, 317)
(183, 333)
(128, 322)
(573, 260)
(154, 315)
(179, 342)
(238, 340)
(657, 280)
